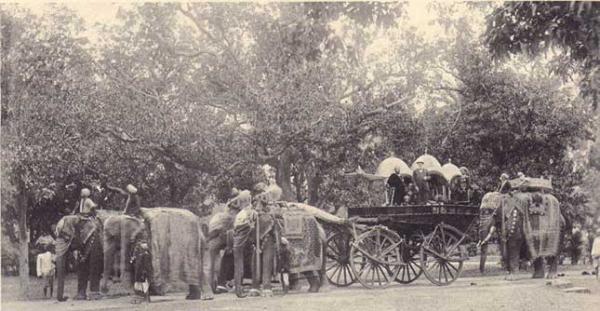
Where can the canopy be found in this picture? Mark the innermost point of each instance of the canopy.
(387, 166)
(430, 163)
(450, 171)
(531, 183)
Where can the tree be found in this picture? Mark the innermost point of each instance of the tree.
(536, 27)
(47, 119)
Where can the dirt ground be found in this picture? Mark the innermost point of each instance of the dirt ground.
(470, 292)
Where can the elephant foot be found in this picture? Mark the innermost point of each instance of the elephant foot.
(94, 296)
(104, 289)
(538, 275)
(267, 293)
(62, 299)
(314, 286)
(194, 293)
(254, 292)
(510, 277)
(137, 299)
(240, 293)
(207, 296)
(551, 275)
(80, 297)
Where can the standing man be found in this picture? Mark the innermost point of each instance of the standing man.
(421, 179)
(396, 184)
(132, 205)
(504, 184)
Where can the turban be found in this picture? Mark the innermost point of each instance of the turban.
(131, 189)
(85, 192)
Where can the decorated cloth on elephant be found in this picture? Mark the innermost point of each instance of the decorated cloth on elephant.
(304, 236)
(175, 240)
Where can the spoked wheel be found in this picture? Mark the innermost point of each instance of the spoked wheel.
(375, 257)
(441, 257)
(411, 269)
(337, 260)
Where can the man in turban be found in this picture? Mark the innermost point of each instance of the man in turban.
(85, 205)
(132, 205)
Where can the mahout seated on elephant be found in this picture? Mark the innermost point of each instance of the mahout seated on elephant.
(177, 247)
(265, 224)
(532, 219)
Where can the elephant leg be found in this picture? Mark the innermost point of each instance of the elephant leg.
(483, 258)
(238, 272)
(313, 281)
(60, 278)
(268, 255)
(513, 250)
(110, 248)
(225, 271)
(193, 292)
(95, 266)
(82, 279)
(538, 268)
(552, 267)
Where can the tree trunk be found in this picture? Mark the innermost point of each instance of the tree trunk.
(23, 240)
(314, 183)
(284, 174)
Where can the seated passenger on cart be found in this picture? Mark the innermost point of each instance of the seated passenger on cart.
(462, 193)
(397, 189)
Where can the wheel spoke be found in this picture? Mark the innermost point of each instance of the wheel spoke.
(449, 272)
(335, 264)
(452, 266)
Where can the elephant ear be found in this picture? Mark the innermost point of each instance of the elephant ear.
(66, 227)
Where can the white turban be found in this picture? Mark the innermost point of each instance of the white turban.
(131, 189)
(85, 192)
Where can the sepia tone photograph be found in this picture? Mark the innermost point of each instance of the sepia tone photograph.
(300, 155)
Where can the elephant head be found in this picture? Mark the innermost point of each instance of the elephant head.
(120, 233)
(84, 234)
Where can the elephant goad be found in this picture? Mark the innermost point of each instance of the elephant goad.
(177, 246)
(525, 219)
(83, 234)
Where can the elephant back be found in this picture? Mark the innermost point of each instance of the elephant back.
(176, 245)
(304, 236)
(541, 223)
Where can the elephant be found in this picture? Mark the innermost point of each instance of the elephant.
(177, 247)
(530, 220)
(84, 234)
(282, 231)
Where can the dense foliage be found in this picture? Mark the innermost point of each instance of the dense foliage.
(187, 101)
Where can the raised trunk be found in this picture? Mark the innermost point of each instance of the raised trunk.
(23, 240)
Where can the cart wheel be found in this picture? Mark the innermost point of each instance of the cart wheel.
(375, 257)
(441, 258)
(337, 260)
(411, 269)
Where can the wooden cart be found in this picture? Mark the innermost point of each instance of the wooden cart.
(382, 245)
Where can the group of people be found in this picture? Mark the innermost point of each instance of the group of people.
(419, 189)
(85, 208)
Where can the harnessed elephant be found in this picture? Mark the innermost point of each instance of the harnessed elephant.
(84, 234)
(530, 220)
(177, 247)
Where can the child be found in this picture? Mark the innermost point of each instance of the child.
(596, 252)
(45, 268)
